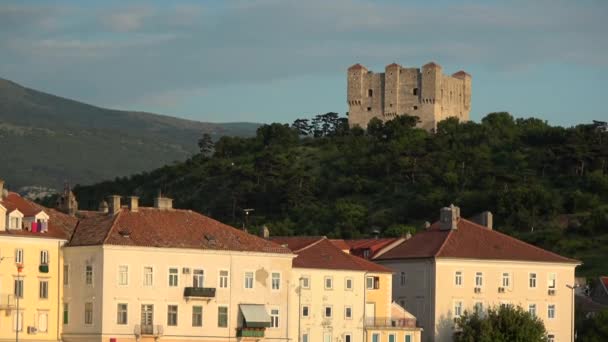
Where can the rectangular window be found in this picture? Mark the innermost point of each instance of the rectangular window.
(276, 281)
(198, 278)
(348, 312)
(66, 275)
(305, 282)
(248, 280)
(457, 309)
(305, 338)
(88, 313)
(375, 337)
(222, 316)
(370, 92)
(327, 311)
(506, 279)
(172, 315)
(348, 338)
(391, 338)
(66, 313)
(18, 291)
(550, 338)
(415, 91)
(19, 256)
(43, 321)
(197, 316)
(173, 277)
(223, 279)
(552, 280)
(479, 279)
(532, 282)
(372, 283)
(532, 309)
(326, 337)
(121, 314)
(88, 274)
(408, 338)
(329, 283)
(402, 279)
(348, 284)
(274, 318)
(18, 321)
(458, 278)
(43, 289)
(44, 257)
(478, 308)
(148, 276)
(123, 275)
(551, 311)
(305, 310)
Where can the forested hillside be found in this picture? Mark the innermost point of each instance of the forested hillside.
(545, 184)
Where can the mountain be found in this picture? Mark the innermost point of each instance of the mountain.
(47, 140)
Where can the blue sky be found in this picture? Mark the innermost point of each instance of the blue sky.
(277, 60)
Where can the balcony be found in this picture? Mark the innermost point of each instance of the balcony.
(7, 301)
(250, 332)
(44, 268)
(199, 292)
(390, 322)
(148, 329)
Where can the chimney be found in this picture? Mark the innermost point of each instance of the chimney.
(133, 203)
(487, 219)
(427, 224)
(448, 217)
(265, 232)
(113, 204)
(103, 206)
(408, 235)
(1, 188)
(163, 203)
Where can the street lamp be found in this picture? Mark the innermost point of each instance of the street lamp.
(246, 221)
(18, 292)
(572, 288)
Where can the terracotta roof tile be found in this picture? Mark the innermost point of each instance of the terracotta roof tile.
(470, 241)
(340, 244)
(295, 242)
(357, 66)
(460, 74)
(392, 65)
(431, 64)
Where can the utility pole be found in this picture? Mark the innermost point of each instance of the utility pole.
(572, 288)
(299, 308)
(246, 220)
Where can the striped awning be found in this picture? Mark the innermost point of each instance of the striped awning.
(255, 315)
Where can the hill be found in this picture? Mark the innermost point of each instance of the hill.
(51, 139)
(545, 184)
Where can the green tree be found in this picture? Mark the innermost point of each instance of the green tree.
(500, 324)
(594, 328)
(205, 144)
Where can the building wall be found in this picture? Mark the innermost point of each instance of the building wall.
(426, 93)
(31, 305)
(107, 259)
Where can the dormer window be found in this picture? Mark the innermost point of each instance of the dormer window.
(15, 220)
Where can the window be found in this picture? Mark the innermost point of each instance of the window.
(372, 283)
(43, 289)
(326, 337)
(121, 314)
(375, 337)
(408, 338)
(43, 321)
(88, 274)
(19, 256)
(197, 316)
(505, 304)
(550, 338)
(274, 318)
(532, 309)
(552, 280)
(348, 312)
(276, 281)
(305, 282)
(123, 275)
(478, 308)
(366, 251)
(415, 107)
(223, 279)
(44, 257)
(222, 316)
(88, 313)
(506, 279)
(329, 283)
(532, 282)
(18, 321)
(457, 309)
(66, 313)
(370, 92)
(173, 277)
(327, 311)
(148, 276)
(18, 292)
(305, 310)
(551, 311)
(66, 275)
(305, 338)
(347, 338)
(402, 279)
(458, 278)
(248, 280)
(15, 223)
(369, 109)
(415, 91)
(172, 315)
(479, 279)
(348, 284)
(391, 338)
(198, 278)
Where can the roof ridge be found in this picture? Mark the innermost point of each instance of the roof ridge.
(445, 240)
(312, 244)
(105, 239)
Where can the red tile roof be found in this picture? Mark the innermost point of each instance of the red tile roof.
(357, 66)
(295, 242)
(460, 74)
(357, 246)
(470, 241)
(342, 244)
(151, 227)
(14, 201)
(431, 64)
(392, 65)
(604, 281)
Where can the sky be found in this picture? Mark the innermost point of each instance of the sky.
(278, 60)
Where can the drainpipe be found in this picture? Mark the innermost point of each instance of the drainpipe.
(364, 307)
(287, 300)
(59, 289)
(299, 308)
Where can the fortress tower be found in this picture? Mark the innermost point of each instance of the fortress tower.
(426, 93)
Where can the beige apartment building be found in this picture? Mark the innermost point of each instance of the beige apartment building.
(157, 273)
(338, 297)
(457, 265)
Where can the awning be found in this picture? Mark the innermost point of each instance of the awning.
(255, 315)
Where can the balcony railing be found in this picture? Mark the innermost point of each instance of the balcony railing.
(148, 329)
(390, 322)
(250, 332)
(7, 301)
(199, 292)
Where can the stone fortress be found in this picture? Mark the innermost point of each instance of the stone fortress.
(427, 94)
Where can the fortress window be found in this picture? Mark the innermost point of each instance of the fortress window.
(415, 92)
(390, 104)
(370, 92)
(415, 107)
(369, 109)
